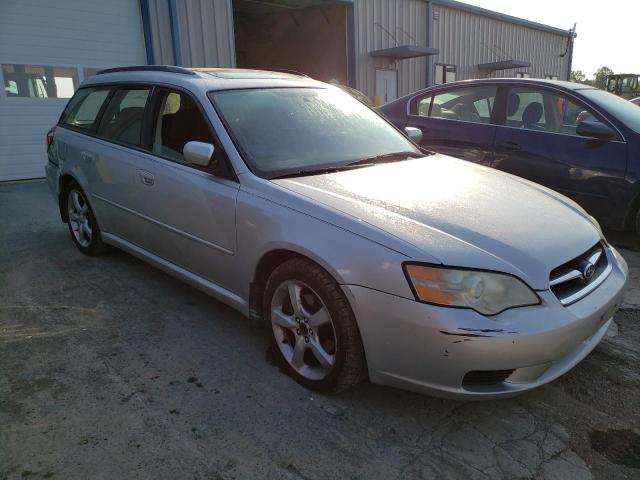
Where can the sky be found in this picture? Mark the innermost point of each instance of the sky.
(607, 31)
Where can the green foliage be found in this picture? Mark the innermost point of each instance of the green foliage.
(600, 77)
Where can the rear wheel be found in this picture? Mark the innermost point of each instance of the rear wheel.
(83, 226)
(314, 332)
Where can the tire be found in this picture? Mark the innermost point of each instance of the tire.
(638, 223)
(82, 223)
(318, 344)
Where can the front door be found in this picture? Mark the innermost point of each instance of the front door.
(189, 211)
(538, 141)
(457, 122)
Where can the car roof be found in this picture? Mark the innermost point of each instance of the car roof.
(497, 81)
(516, 81)
(203, 78)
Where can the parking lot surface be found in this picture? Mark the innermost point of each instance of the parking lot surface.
(110, 369)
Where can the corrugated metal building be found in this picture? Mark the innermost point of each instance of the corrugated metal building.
(384, 48)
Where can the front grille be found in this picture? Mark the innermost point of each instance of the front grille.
(579, 277)
(485, 377)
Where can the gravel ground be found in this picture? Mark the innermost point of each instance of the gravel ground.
(110, 369)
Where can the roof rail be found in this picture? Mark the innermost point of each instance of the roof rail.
(285, 70)
(149, 68)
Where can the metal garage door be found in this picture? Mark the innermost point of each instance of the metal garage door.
(46, 49)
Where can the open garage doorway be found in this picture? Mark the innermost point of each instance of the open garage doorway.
(308, 36)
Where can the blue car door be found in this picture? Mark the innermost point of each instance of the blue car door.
(539, 141)
(457, 121)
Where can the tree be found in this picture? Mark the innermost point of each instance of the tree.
(578, 76)
(600, 77)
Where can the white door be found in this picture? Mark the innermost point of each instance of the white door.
(387, 85)
(46, 49)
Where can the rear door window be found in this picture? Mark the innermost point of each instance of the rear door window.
(472, 104)
(83, 108)
(122, 119)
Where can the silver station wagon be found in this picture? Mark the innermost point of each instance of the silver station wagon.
(364, 255)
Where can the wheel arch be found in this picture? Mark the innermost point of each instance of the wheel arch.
(268, 262)
(63, 183)
(632, 211)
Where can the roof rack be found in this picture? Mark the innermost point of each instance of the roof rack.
(149, 68)
(285, 70)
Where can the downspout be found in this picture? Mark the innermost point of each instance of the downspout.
(146, 29)
(175, 32)
(351, 45)
(570, 54)
(429, 59)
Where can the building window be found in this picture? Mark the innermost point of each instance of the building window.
(444, 73)
(39, 81)
(551, 77)
(523, 75)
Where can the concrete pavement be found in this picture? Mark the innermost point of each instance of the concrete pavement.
(112, 369)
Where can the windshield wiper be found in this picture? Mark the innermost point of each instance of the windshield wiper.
(387, 157)
(315, 171)
(365, 162)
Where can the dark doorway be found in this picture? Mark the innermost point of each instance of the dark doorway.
(308, 36)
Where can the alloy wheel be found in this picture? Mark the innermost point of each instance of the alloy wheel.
(79, 218)
(303, 329)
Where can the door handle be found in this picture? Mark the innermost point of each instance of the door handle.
(146, 178)
(510, 146)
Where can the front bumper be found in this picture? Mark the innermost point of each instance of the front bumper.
(430, 349)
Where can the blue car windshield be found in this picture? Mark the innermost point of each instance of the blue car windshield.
(625, 111)
(289, 130)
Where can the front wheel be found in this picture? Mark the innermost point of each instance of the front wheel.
(314, 332)
(83, 226)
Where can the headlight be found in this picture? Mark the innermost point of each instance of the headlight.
(487, 293)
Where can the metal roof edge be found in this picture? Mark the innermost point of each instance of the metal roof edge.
(502, 16)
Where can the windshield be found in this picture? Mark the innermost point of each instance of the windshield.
(622, 109)
(284, 131)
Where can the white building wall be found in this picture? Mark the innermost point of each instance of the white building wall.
(61, 33)
(466, 39)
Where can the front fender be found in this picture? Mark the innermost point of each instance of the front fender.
(264, 226)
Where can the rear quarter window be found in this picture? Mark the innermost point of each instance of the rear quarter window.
(82, 110)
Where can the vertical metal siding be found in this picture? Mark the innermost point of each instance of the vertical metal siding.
(411, 17)
(467, 39)
(206, 32)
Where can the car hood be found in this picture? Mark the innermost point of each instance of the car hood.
(460, 213)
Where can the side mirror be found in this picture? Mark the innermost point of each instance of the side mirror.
(413, 133)
(198, 153)
(595, 130)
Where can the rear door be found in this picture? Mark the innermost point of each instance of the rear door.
(457, 121)
(538, 141)
(110, 159)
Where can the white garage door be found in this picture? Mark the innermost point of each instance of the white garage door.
(46, 49)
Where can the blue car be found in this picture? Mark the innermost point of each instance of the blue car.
(575, 139)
